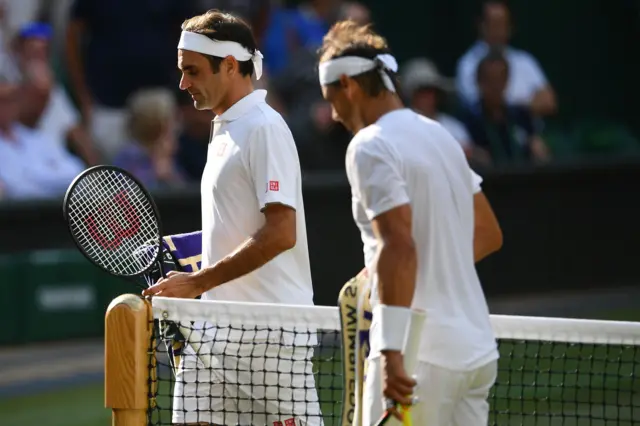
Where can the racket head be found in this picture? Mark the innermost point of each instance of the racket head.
(111, 216)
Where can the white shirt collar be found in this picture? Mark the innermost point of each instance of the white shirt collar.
(243, 106)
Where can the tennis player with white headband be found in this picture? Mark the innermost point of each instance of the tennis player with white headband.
(254, 239)
(424, 223)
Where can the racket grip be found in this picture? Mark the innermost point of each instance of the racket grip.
(388, 420)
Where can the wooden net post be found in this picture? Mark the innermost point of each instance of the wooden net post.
(128, 332)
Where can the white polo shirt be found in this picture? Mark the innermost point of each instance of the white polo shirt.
(252, 161)
(405, 158)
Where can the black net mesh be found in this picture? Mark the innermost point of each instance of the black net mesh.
(546, 383)
(262, 383)
(272, 380)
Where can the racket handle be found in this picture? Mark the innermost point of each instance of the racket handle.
(163, 274)
(389, 419)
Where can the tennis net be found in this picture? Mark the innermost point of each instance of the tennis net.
(552, 371)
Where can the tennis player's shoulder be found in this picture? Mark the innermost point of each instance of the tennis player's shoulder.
(429, 123)
(266, 115)
(269, 120)
(367, 136)
(367, 141)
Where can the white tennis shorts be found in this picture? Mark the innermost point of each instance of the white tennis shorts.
(445, 397)
(248, 384)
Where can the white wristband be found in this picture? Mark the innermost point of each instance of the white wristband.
(393, 322)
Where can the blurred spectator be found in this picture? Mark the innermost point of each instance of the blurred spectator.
(152, 123)
(527, 84)
(31, 43)
(116, 47)
(194, 137)
(49, 108)
(355, 11)
(56, 13)
(16, 13)
(255, 12)
(291, 31)
(425, 91)
(32, 165)
(293, 38)
(504, 133)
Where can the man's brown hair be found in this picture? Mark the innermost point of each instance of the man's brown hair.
(221, 26)
(348, 38)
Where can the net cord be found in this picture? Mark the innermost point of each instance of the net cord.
(246, 313)
(328, 318)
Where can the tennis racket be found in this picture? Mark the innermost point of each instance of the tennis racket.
(410, 358)
(116, 225)
(355, 320)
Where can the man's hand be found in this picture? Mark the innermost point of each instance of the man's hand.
(177, 284)
(396, 385)
(540, 150)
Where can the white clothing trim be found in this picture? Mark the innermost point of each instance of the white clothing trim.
(331, 70)
(221, 49)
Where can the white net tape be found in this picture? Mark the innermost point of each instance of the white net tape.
(327, 318)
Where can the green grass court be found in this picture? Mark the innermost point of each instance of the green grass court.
(77, 406)
(572, 386)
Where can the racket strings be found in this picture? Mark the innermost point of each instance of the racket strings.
(111, 219)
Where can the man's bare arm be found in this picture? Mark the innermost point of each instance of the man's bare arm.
(539, 149)
(487, 235)
(397, 261)
(83, 145)
(276, 236)
(544, 102)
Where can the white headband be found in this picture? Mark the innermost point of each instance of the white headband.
(330, 71)
(221, 49)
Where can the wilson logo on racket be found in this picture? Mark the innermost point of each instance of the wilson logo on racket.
(118, 232)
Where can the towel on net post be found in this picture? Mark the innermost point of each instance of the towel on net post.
(181, 252)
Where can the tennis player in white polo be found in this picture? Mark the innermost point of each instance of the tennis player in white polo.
(254, 237)
(423, 221)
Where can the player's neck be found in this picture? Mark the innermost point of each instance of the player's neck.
(376, 107)
(7, 132)
(236, 92)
